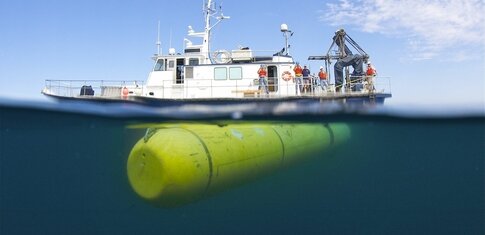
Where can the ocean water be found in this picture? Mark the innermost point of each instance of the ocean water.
(63, 170)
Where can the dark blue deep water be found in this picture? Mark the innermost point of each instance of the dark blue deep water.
(63, 171)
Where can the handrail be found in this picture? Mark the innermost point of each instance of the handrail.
(209, 88)
(72, 88)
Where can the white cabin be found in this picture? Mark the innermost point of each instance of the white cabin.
(198, 73)
(183, 76)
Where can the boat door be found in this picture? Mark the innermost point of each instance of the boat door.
(179, 77)
(273, 78)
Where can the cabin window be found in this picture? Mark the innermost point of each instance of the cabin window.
(220, 73)
(159, 66)
(193, 61)
(235, 73)
(189, 72)
(171, 64)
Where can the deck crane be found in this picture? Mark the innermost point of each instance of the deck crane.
(344, 58)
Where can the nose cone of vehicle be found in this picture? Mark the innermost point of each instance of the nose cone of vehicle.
(168, 169)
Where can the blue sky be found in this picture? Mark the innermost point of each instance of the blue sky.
(433, 50)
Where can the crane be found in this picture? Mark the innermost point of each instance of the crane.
(344, 58)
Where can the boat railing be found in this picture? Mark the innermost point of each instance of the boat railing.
(210, 88)
(249, 55)
(379, 84)
(99, 88)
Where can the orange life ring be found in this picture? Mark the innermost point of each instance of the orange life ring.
(286, 76)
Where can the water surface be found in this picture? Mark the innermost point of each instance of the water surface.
(63, 170)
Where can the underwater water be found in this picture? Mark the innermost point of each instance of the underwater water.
(64, 171)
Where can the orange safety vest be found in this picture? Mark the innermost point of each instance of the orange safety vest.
(322, 75)
(262, 72)
(371, 71)
(298, 71)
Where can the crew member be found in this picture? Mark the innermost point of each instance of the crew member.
(371, 71)
(306, 78)
(263, 83)
(322, 75)
(298, 78)
(370, 74)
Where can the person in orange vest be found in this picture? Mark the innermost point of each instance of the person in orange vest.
(263, 83)
(370, 74)
(371, 71)
(322, 75)
(298, 78)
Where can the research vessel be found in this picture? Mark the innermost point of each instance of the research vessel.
(200, 75)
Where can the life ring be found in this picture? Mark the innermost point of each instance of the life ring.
(286, 76)
(222, 56)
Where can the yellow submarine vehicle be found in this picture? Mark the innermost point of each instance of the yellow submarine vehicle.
(173, 165)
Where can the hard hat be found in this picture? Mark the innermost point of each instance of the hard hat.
(368, 62)
(321, 67)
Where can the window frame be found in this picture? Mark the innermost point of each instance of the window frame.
(193, 61)
(240, 74)
(161, 67)
(217, 74)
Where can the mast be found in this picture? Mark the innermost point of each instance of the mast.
(158, 40)
(207, 30)
(209, 12)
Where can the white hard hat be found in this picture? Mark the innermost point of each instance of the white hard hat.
(321, 67)
(368, 62)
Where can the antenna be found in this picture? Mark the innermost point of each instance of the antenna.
(170, 42)
(158, 39)
(284, 29)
